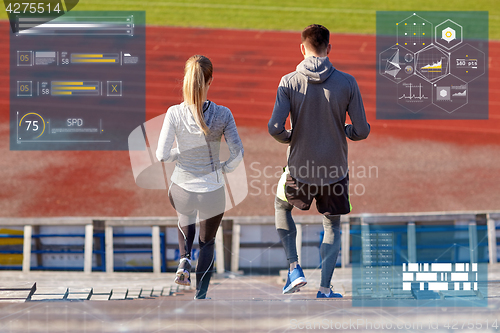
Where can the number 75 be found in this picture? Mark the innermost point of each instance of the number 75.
(34, 123)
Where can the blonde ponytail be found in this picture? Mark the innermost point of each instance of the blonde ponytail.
(197, 73)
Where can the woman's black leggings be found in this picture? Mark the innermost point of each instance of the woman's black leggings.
(210, 207)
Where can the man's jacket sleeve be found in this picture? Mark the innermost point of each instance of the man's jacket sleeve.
(360, 128)
(276, 125)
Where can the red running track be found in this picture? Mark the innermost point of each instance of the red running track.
(248, 66)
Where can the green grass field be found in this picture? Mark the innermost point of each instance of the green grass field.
(341, 16)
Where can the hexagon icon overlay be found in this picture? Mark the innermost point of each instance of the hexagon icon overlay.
(414, 32)
(451, 93)
(448, 34)
(432, 63)
(396, 63)
(414, 93)
(467, 63)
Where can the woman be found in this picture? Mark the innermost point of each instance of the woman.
(197, 183)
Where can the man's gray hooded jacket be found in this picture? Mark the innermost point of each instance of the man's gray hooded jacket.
(317, 97)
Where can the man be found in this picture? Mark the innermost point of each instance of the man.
(317, 97)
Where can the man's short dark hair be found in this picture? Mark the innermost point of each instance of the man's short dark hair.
(317, 36)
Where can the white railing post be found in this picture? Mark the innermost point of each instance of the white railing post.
(366, 243)
(412, 242)
(345, 240)
(28, 229)
(155, 240)
(492, 239)
(298, 241)
(219, 250)
(89, 248)
(473, 241)
(108, 239)
(235, 248)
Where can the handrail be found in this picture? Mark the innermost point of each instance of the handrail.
(155, 222)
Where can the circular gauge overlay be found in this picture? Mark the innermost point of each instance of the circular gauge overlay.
(31, 126)
(408, 70)
(408, 57)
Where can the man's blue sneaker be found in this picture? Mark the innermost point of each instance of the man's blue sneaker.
(295, 280)
(330, 295)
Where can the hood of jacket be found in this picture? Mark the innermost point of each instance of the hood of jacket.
(316, 69)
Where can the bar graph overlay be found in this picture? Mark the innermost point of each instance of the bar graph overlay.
(80, 75)
(95, 58)
(75, 88)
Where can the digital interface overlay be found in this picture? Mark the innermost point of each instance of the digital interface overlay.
(432, 65)
(77, 81)
(435, 265)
